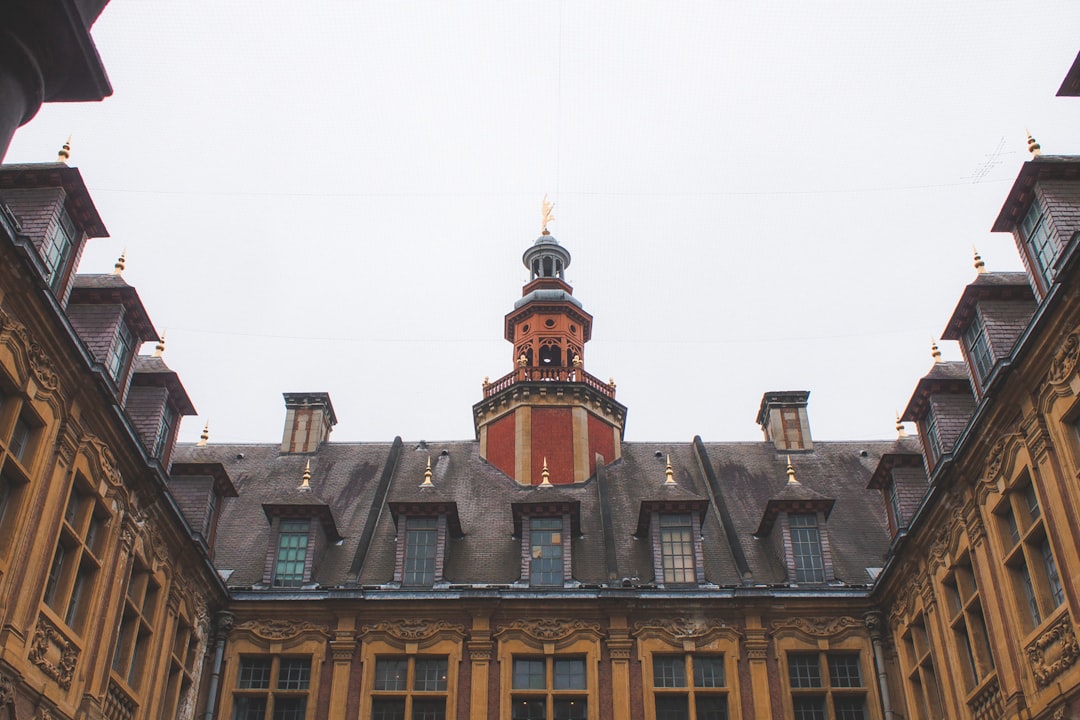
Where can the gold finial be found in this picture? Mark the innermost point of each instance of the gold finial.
(547, 215)
(546, 476)
(1033, 146)
(576, 361)
(980, 266)
(669, 474)
(791, 473)
(900, 431)
(935, 352)
(159, 349)
(204, 436)
(65, 151)
(306, 483)
(522, 360)
(427, 475)
(121, 263)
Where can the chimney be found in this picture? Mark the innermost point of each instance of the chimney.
(309, 418)
(782, 417)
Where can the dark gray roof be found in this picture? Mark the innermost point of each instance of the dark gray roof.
(605, 549)
(987, 286)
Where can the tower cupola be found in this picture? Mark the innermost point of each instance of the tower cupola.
(548, 406)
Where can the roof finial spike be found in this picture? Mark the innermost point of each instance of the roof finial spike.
(935, 352)
(980, 266)
(427, 475)
(791, 473)
(546, 215)
(900, 431)
(159, 349)
(306, 483)
(121, 263)
(669, 473)
(65, 151)
(1033, 145)
(545, 475)
(204, 436)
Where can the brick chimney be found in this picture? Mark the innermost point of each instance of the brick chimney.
(782, 417)
(309, 417)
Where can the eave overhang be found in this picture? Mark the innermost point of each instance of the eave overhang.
(987, 286)
(1043, 167)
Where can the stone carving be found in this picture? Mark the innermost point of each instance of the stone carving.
(1059, 712)
(679, 628)
(40, 364)
(550, 629)
(1053, 651)
(415, 630)
(51, 651)
(7, 690)
(817, 627)
(1063, 365)
(106, 459)
(281, 629)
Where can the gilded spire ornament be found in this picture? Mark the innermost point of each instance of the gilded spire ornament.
(1033, 146)
(306, 482)
(980, 266)
(545, 475)
(159, 349)
(427, 475)
(935, 352)
(669, 473)
(65, 151)
(121, 263)
(204, 436)
(791, 473)
(547, 215)
(900, 431)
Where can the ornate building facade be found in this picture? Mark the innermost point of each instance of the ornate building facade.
(545, 568)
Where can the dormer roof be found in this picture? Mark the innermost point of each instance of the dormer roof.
(150, 370)
(987, 286)
(112, 289)
(1043, 167)
(944, 377)
(80, 206)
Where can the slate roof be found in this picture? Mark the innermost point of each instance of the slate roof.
(987, 286)
(359, 481)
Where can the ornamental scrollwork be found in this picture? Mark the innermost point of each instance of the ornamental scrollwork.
(550, 629)
(1053, 651)
(51, 651)
(105, 458)
(415, 630)
(817, 627)
(1063, 365)
(281, 629)
(679, 628)
(7, 690)
(40, 363)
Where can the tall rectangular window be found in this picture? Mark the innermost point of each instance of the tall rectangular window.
(978, 347)
(56, 249)
(820, 680)
(677, 547)
(165, 431)
(410, 688)
(894, 505)
(970, 639)
(69, 588)
(136, 626)
(292, 551)
(272, 688)
(548, 688)
(546, 551)
(421, 541)
(806, 548)
(933, 435)
(1029, 556)
(1041, 244)
(920, 673)
(120, 352)
(689, 687)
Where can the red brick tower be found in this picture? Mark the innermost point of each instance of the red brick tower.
(548, 409)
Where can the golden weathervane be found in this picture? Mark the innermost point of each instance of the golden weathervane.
(547, 215)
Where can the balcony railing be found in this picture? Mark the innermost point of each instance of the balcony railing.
(549, 374)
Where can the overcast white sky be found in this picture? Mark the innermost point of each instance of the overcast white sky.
(335, 195)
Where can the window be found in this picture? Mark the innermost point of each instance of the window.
(894, 505)
(165, 431)
(689, 687)
(677, 548)
(548, 688)
(1029, 557)
(826, 686)
(933, 436)
(120, 352)
(181, 664)
(978, 347)
(546, 551)
(56, 249)
(18, 436)
(292, 551)
(410, 688)
(272, 688)
(965, 617)
(922, 682)
(806, 548)
(69, 588)
(136, 626)
(421, 543)
(1042, 246)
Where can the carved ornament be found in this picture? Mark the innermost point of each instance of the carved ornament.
(1054, 651)
(7, 689)
(549, 629)
(415, 630)
(277, 629)
(40, 363)
(51, 651)
(1063, 365)
(106, 459)
(817, 627)
(678, 629)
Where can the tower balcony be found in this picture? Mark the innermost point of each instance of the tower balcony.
(533, 374)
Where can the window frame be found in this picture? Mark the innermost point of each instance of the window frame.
(922, 682)
(1037, 236)
(519, 642)
(383, 641)
(550, 694)
(290, 578)
(717, 642)
(529, 547)
(964, 621)
(666, 541)
(828, 690)
(811, 537)
(415, 571)
(121, 350)
(55, 256)
(274, 689)
(977, 344)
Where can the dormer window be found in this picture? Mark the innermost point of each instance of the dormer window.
(546, 551)
(933, 436)
(165, 431)
(290, 562)
(422, 529)
(421, 542)
(806, 554)
(978, 347)
(120, 352)
(56, 249)
(1041, 245)
(677, 548)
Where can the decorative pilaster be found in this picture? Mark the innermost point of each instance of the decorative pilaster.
(620, 647)
(757, 647)
(480, 647)
(342, 649)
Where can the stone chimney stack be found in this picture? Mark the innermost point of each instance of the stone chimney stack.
(782, 417)
(309, 417)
